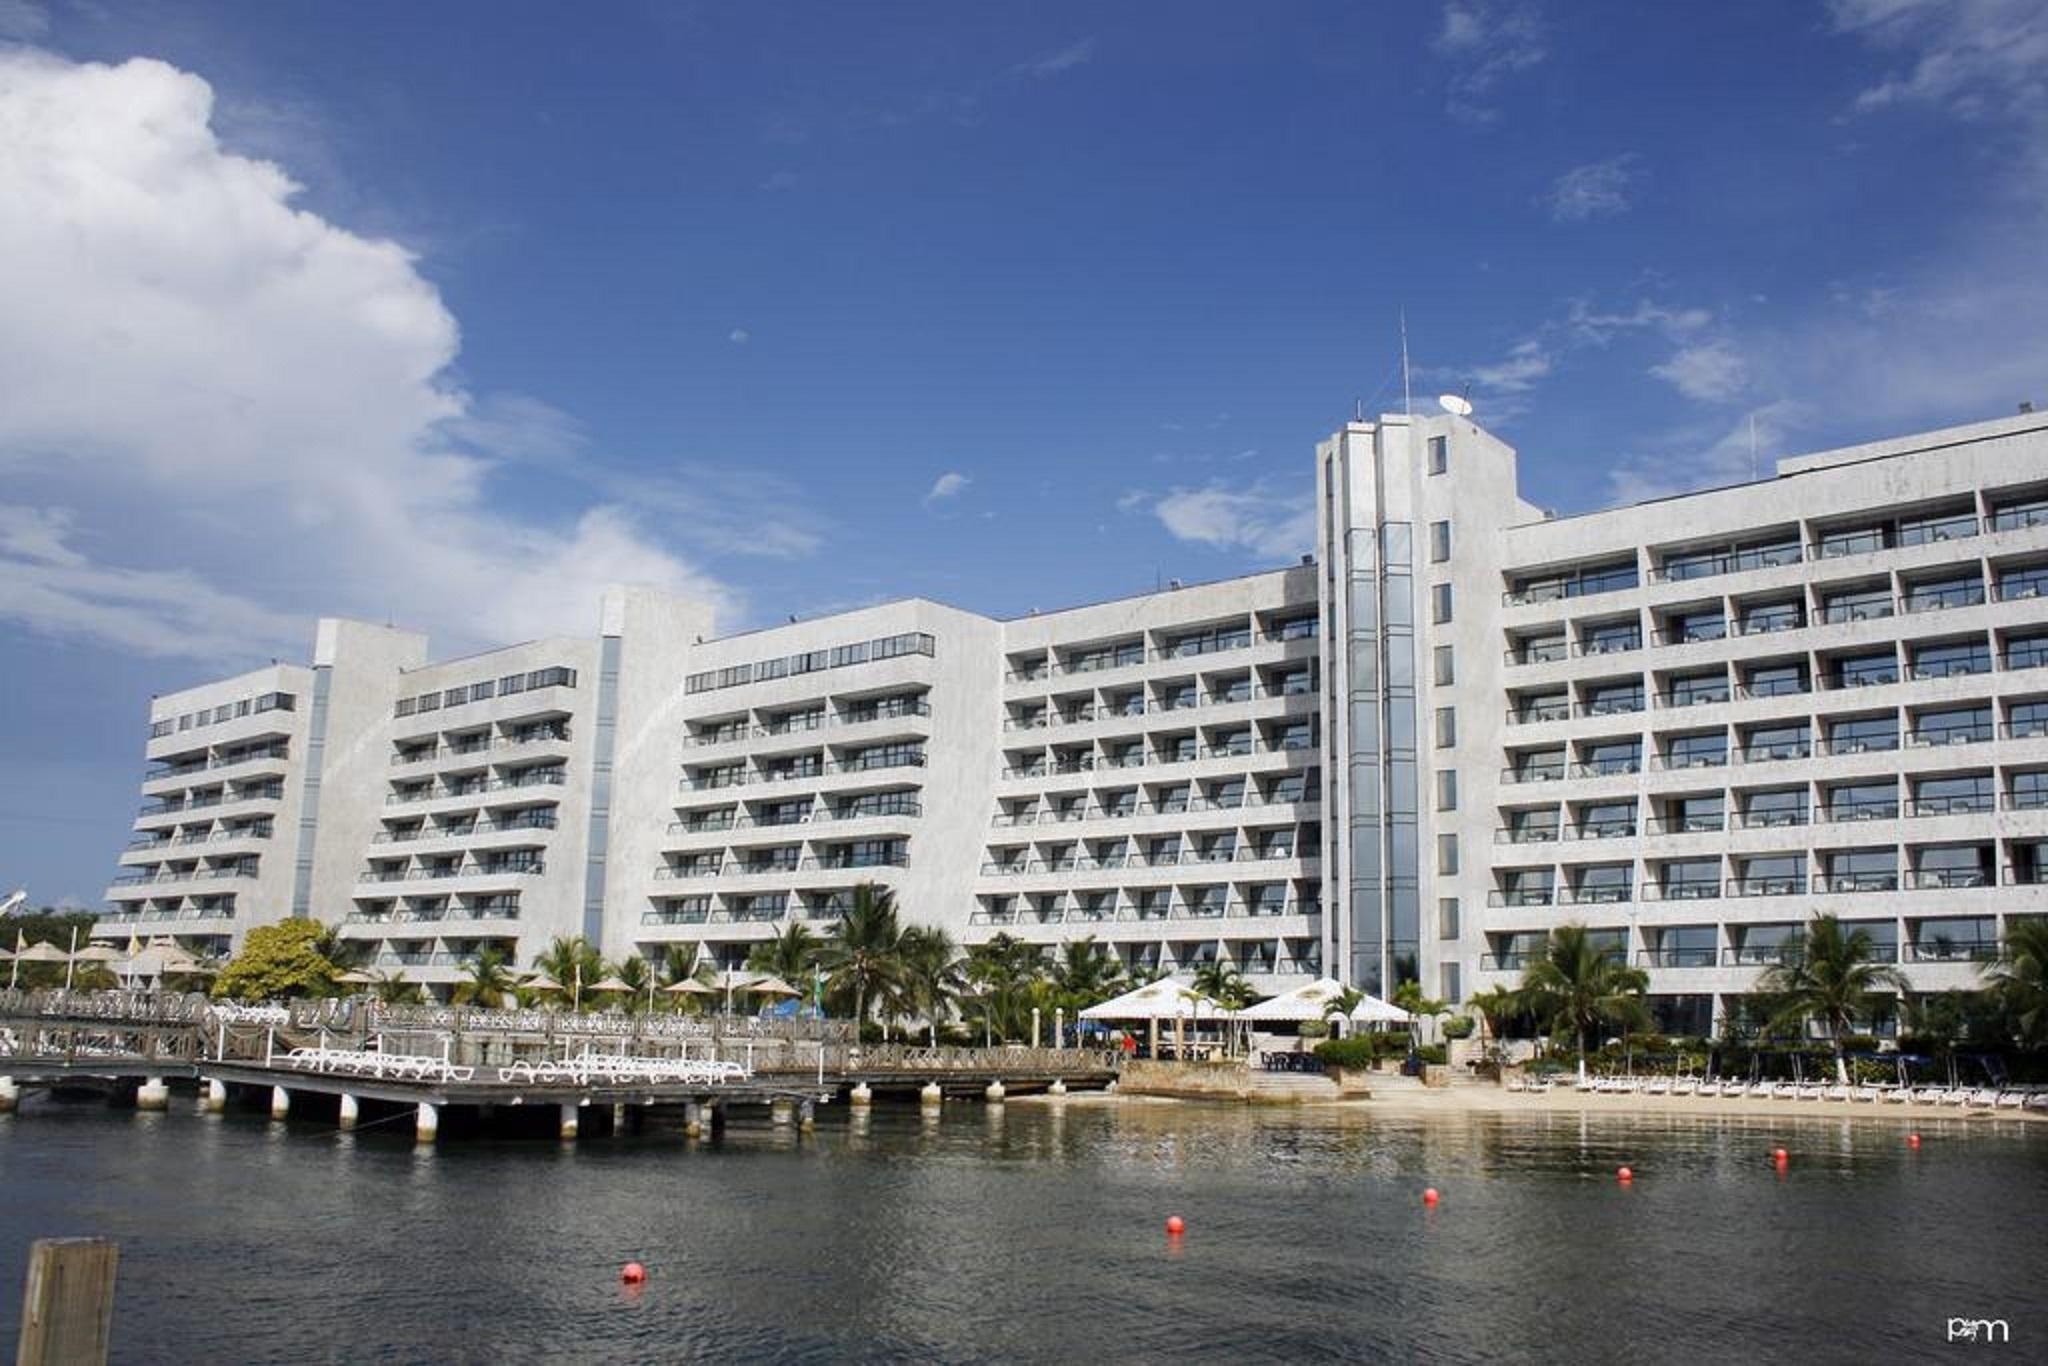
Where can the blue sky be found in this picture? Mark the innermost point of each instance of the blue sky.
(449, 313)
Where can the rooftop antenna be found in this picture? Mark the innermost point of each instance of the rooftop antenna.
(1407, 403)
(1752, 449)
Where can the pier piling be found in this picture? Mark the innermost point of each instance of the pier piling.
(280, 1103)
(860, 1097)
(932, 1096)
(426, 1124)
(10, 1095)
(571, 1120)
(67, 1313)
(213, 1096)
(349, 1112)
(153, 1095)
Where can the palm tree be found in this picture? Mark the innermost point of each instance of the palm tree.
(393, 990)
(575, 963)
(1086, 973)
(2019, 978)
(1005, 969)
(1220, 981)
(344, 954)
(1409, 997)
(1577, 985)
(638, 975)
(932, 976)
(488, 983)
(790, 955)
(1829, 975)
(1495, 1006)
(866, 955)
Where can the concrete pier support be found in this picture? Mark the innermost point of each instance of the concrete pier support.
(693, 1119)
(10, 1095)
(213, 1097)
(781, 1112)
(807, 1116)
(932, 1096)
(280, 1102)
(153, 1095)
(1058, 1088)
(571, 1121)
(994, 1094)
(618, 1120)
(349, 1111)
(860, 1097)
(426, 1124)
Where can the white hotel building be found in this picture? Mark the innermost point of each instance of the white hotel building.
(1689, 724)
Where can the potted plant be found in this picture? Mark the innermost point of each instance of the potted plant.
(1348, 1062)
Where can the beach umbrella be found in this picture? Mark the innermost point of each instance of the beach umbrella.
(356, 978)
(611, 983)
(97, 953)
(540, 981)
(772, 986)
(690, 986)
(42, 953)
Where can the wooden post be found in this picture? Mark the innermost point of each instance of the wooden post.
(67, 1311)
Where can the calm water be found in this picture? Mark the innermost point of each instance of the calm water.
(1029, 1233)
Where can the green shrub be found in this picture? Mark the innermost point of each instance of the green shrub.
(1314, 1029)
(1356, 1052)
(1459, 1027)
(1433, 1052)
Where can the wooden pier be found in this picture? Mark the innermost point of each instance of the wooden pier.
(434, 1060)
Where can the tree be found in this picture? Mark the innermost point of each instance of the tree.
(1577, 985)
(572, 962)
(1220, 981)
(790, 955)
(1495, 1007)
(1409, 997)
(1005, 968)
(344, 954)
(1829, 976)
(488, 983)
(2019, 978)
(638, 975)
(1084, 974)
(865, 957)
(932, 976)
(278, 961)
(393, 990)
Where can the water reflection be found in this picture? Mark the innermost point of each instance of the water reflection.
(1034, 1230)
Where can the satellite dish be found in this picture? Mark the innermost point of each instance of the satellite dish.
(1454, 405)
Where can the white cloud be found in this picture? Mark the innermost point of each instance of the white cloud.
(780, 180)
(739, 336)
(1270, 526)
(23, 19)
(1528, 362)
(1747, 448)
(1713, 371)
(1066, 59)
(1486, 42)
(248, 408)
(1599, 189)
(951, 484)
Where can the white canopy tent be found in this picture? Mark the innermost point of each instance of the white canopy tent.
(1372, 1010)
(1314, 1001)
(1165, 999)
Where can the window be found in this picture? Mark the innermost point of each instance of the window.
(1447, 917)
(1440, 603)
(1446, 667)
(1439, 454)
(1447, 789)
(1868, 670)
(1952, 659)
(1863, 734)
(1439, 542)
(1692, 690)
(1698, 751)
(1447, 855)
(1446, 727)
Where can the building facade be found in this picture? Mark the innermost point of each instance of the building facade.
(1689, 724)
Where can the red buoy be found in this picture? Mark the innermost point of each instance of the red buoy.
(1624, 1174)
(1780, 1156)
(632, 1273)
(1912, 1140)
(1174, 1226)
(1430, 1197)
